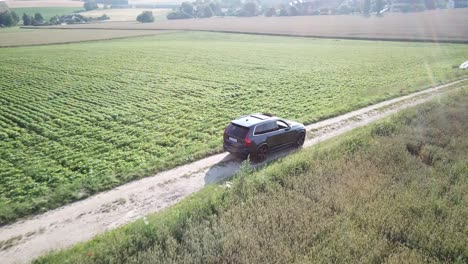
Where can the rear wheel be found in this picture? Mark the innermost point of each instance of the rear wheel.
(262, 153)
(300, 140)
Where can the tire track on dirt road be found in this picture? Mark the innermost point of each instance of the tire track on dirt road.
(27, 239)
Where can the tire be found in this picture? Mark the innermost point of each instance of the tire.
(262, 153)
(300, 140)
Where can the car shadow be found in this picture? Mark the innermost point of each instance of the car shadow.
(231, 165)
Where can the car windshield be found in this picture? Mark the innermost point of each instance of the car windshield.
(237, 131)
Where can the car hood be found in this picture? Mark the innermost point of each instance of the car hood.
(294, 124)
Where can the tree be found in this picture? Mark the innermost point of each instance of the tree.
(15, 17)
(187, 8)
(378, 6)
(145, 17)
(216, 9)
(38, 17)
(283, 11)
(430, 4)
(26, 20)
(204, 11)
(269, 12)
(90, 5)
(366, 5)
(250, 8)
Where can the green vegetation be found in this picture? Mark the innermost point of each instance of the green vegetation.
(87, 117)
(145, 17)
(393, 192)
(47, 12)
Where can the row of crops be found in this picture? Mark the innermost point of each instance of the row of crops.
(80, 118)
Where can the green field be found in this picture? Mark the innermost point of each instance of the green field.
(393, 192)
(80, 118)
(46, 12)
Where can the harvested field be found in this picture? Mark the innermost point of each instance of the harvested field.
(44, 3)
(437, 25)
(31, 37)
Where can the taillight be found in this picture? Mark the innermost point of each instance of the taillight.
(248, 142)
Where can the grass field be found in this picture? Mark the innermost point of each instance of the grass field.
(437, 25)
(393, 192)
(80, 118)
(47, 12)
(14, 37)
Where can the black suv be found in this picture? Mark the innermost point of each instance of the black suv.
(258, 134)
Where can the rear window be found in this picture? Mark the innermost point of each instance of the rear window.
(237, 131)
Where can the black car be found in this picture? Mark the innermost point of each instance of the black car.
(258, 134)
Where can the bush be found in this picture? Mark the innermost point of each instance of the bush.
(177, 15)
(90, 5)
(145, 17)
(103, 17)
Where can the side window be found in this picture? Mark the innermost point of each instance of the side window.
(282, 124)
(272, 126)
(266, 128)
(260, 129)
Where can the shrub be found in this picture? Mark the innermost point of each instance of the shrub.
(177, 15)
(145, 17)
(103, 17)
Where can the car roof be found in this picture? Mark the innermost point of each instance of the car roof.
(253, 119)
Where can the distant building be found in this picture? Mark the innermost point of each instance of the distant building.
(458, 4)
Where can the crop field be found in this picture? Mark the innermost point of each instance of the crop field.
(13, 37)
(47, 12)
(76, 119)
(392, 192)
(438, 25)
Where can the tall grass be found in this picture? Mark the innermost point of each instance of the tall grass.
(394, 192)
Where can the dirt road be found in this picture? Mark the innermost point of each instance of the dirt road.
(27, 239)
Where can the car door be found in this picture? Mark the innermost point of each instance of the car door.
(275, 135)
(286, 135)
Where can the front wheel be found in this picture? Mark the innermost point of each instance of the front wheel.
(262, 153)
(300, 140)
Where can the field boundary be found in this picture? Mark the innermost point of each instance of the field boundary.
(82, 220)
(421, 40)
